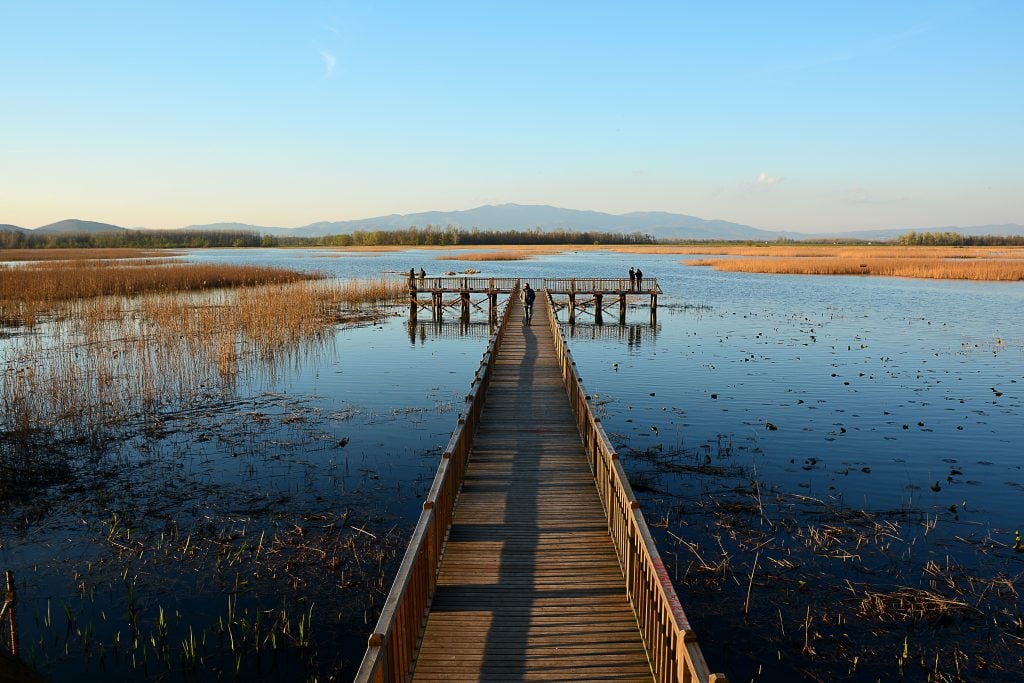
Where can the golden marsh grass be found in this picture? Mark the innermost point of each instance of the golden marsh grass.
(488, 256)
(831, 251)
(104, 360)
(30, 290)
(81, 254)
(935, 268)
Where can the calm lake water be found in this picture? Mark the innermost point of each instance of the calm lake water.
(878, 394)
(904, 377)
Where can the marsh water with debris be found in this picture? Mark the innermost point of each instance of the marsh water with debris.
(832, 466)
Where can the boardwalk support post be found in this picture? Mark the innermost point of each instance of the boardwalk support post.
(598, 308)
(622, 308)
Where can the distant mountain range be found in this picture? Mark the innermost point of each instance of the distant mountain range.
(526, 217)
(547, 218)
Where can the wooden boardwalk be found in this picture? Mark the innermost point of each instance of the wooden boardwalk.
(529, 587)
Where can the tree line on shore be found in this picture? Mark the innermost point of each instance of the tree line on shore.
(138, 239)
(413, 236)
(955, 239)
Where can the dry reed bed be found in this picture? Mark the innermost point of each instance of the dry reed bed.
(106, 360)
(935, 268)
(487, 256)
(28, 291)
(81, 254)
(819, 251)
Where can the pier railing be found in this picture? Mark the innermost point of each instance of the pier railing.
(392, 645)
(671, 644)
(580, 285)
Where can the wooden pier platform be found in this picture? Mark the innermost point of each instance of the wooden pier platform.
(530, 587)
(531, 559)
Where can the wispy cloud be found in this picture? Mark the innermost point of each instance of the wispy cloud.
(328, 27)
(764, 178)
(330, 61)
(872, 45)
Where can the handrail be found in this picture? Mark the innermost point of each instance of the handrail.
(391, 647)
(671, 643)
(579, 285)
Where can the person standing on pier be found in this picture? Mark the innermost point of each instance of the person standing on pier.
(632, 279)
(412, 279)
(528, 298)
(639, 279)
(423, 275)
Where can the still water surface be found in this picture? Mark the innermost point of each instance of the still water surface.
(910, 379)
(873, 393)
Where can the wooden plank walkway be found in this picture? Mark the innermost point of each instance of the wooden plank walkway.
(529, 586)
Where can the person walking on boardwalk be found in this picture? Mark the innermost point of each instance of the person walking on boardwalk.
(528, 298)
(632, 279)
(639, 279)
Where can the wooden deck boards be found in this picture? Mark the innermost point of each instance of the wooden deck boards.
(529, 588)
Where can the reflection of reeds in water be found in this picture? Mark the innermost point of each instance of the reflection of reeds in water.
(104, 360)
(938, 268)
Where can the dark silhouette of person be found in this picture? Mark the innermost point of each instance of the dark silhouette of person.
(423, 274)
(412, 278)
(528, 297)
(632, 279)
(639, 279)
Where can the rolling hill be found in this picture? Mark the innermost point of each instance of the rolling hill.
(78, 225)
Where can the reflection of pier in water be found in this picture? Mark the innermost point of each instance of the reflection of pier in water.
(444, 329)
(633, 334)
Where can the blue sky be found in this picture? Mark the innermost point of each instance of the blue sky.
(787, 115)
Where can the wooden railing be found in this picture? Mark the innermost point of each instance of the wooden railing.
(671, 644)
(392, 645)
(588, 285)
(458, 283)
(581, 285)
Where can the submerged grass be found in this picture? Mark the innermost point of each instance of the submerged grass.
(918, 267)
